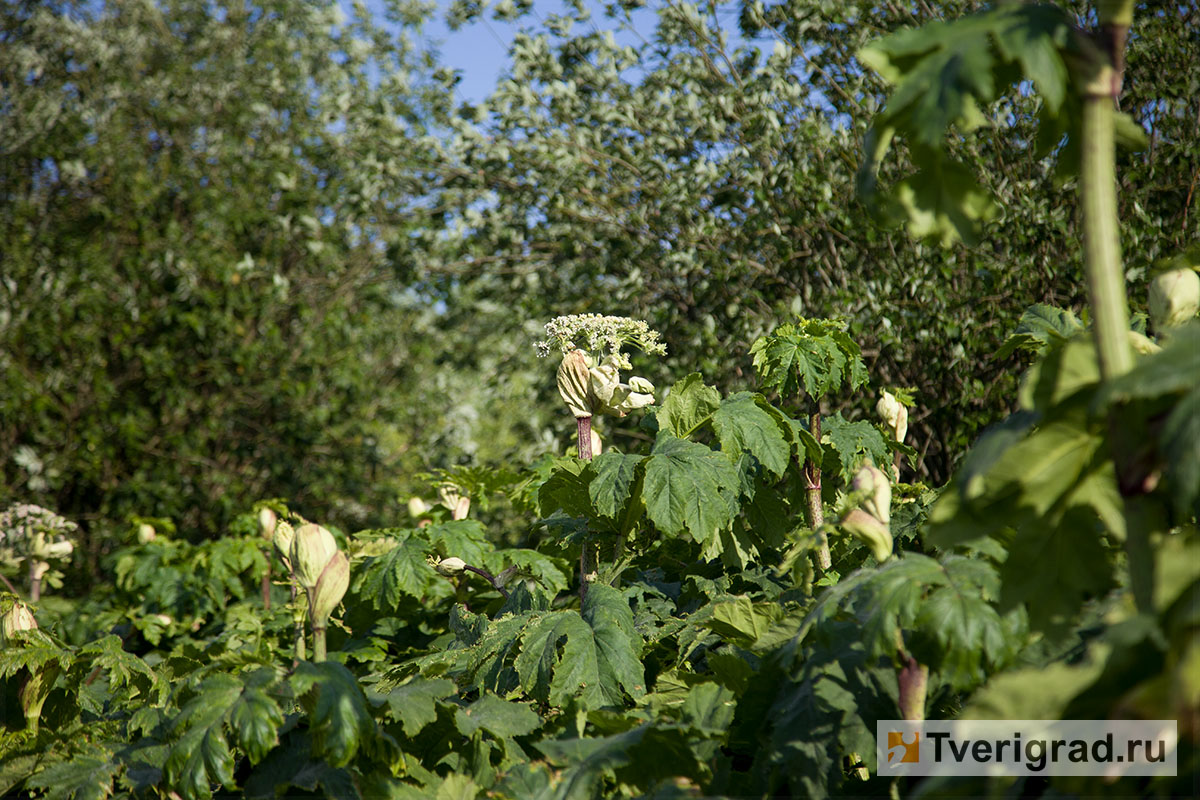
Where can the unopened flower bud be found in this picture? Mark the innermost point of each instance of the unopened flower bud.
(331, 587)
(312, 547)
(450, 567)
(597, 444)
(18, 618)
(872, 480)
(451, 497)
(146, 533)
(641, 385)
(869, 531)
(417, 507)
(1174, 298)
(605, 380)
(574, 383)
(267, 521)
(1143, 344)
(894, 414)
(283, 537)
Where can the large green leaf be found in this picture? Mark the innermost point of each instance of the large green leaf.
(743, 426)
(87, 775)
(943, 73)
(688, 487)
(851, 442)
(1054, 569)
(640, 757)
(124, 670)
(610, 489)
(689, 405)
(815, 355)
(1040, 325)
(594, 656)
(403, 570)
(414, 704)
(200, 755)
(1175, 369)
(500, 718)
(340, 721)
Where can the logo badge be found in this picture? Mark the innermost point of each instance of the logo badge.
(908, 752)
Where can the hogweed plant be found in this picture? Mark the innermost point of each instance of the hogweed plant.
(35, 536)
(589, 378)
(815, 357)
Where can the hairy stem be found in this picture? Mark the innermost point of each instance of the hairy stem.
(489, 577)
(816, 511)
(266, 587)
(318, 643)
(913, 679)
(583, 426)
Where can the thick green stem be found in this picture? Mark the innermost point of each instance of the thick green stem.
(1106, 285)
(583, 427)
(816, 511)
(318, 643)
(297, 626)
(1102, 246)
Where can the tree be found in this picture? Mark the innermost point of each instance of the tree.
(197, 310)
(707, 183)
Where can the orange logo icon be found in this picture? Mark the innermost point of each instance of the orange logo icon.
(908, 752)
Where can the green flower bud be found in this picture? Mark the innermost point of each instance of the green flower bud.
(267, 521)
(640, 385)
(1174, 298)
(282, 538)
(874, 482)
(312, 548)
(331, 587)
(18, 618)
(417, 507)
(449, 567)
(574, 381)
(452, 498)
(869, 531)
(1143, 344)
(146, 533)
(894, 414)
(605, 381)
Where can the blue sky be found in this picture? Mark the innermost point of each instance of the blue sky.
(479, 50)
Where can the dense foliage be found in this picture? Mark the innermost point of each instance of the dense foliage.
(722, 593)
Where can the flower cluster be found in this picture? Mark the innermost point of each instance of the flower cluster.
(599, 335)
(32, 531)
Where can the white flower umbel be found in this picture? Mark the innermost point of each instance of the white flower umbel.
(599, 335)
